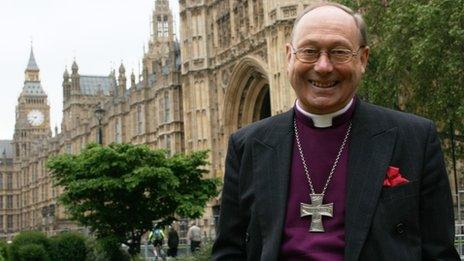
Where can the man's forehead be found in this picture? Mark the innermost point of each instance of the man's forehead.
(327, 18)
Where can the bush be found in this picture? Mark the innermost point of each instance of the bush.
(106, 249)
(3, 250)
(32, 252)
(68, 246)
(26, 238)
(203, 254)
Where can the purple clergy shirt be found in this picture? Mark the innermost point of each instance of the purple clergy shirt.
(320, 148)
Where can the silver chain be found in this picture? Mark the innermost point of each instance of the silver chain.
(300, 149)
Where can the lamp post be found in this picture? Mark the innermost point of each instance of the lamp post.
(99, 113)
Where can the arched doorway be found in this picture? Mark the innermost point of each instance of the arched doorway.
(248, 97)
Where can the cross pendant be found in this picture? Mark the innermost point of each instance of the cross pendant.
(316, 210)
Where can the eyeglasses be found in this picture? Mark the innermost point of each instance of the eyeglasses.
(336, 55)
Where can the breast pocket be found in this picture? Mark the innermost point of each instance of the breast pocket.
(408, 190)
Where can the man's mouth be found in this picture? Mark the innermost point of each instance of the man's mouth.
(323, 84)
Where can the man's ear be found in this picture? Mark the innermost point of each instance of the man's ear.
(288, 50)
(364, 57)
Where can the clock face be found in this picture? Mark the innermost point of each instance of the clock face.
(35, 118)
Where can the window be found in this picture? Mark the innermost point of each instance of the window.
(160, 111)
(165, 27)
(1, 202)
(167, 107)
(9, 222)
(9, 181)
(117, 131)
(160, 27)
(139, 119)
(1, 181)
(168, 144)
(9, 201)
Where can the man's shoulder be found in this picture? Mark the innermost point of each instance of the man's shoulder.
(262, 127)
(394, 117)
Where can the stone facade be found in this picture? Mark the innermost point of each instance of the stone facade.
(233, 71)
(144, 111)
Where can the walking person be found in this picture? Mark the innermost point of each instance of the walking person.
(173, 242)
(194, 237)
(156, 237)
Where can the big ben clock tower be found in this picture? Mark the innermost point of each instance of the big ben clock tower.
(32, 112)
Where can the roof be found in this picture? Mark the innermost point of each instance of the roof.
(33, 88)
(32, 65)
(6, 148)
(92, 85)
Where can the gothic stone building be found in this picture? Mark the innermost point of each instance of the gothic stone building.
(146, 111)
(231, 73)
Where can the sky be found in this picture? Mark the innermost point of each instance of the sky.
(98, 34)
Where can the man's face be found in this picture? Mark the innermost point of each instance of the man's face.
(324, 87)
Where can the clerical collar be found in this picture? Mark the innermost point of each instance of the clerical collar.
(327, 120)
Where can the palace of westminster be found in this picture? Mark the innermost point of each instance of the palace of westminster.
(228, 69)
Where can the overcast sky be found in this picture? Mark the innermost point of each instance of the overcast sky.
(98, 33)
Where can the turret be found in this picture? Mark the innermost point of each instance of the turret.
(122, 81)
(75, 79)
(132, 79)
(162, 22)
(66, 85)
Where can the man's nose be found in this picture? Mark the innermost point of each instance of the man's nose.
(323, 64)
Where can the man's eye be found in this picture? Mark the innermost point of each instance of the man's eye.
(309, 51)
(341, 52)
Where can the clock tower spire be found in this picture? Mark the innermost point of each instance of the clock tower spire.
(32, 112)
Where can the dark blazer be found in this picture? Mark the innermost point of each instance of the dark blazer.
(413, 221)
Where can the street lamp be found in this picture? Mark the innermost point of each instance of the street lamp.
(99, 113)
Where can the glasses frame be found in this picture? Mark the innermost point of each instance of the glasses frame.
(353, 54)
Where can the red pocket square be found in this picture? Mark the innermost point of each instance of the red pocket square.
(394, 177)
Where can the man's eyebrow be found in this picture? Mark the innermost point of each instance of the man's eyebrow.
(317, 43)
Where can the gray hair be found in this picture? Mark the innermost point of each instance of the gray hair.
(358, 19)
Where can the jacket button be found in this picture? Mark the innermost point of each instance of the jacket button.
(247, 237)
(400, 228)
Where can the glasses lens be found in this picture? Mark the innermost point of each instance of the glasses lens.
(340, 55)
(308, 55)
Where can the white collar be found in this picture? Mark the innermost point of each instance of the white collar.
(323, 120)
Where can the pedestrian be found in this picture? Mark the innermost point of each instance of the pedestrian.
(156, 236)
(334, 178)
(173, 242)
(194, 237)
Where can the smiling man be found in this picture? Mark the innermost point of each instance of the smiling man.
(334, 178)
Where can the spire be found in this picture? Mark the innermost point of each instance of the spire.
(66, 74)
(122, 70)
(74, 67)
(32, 65)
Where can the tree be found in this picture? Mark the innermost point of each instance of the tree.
(119, 190)
(417, 62)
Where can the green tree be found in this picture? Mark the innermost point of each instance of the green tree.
(68, 246)
(118, 190)
(30, 245)
(417, 61)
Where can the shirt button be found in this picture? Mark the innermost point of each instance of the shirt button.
(400, 228)
(247, 237)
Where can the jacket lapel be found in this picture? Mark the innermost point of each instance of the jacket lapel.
(272, 158)
(371, 149)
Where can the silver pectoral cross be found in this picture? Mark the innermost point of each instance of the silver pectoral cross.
(316, 210)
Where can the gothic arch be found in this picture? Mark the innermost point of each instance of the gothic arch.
(246, 94)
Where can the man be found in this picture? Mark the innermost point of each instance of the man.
(173, 242)
(334, 178)
(194, 237)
